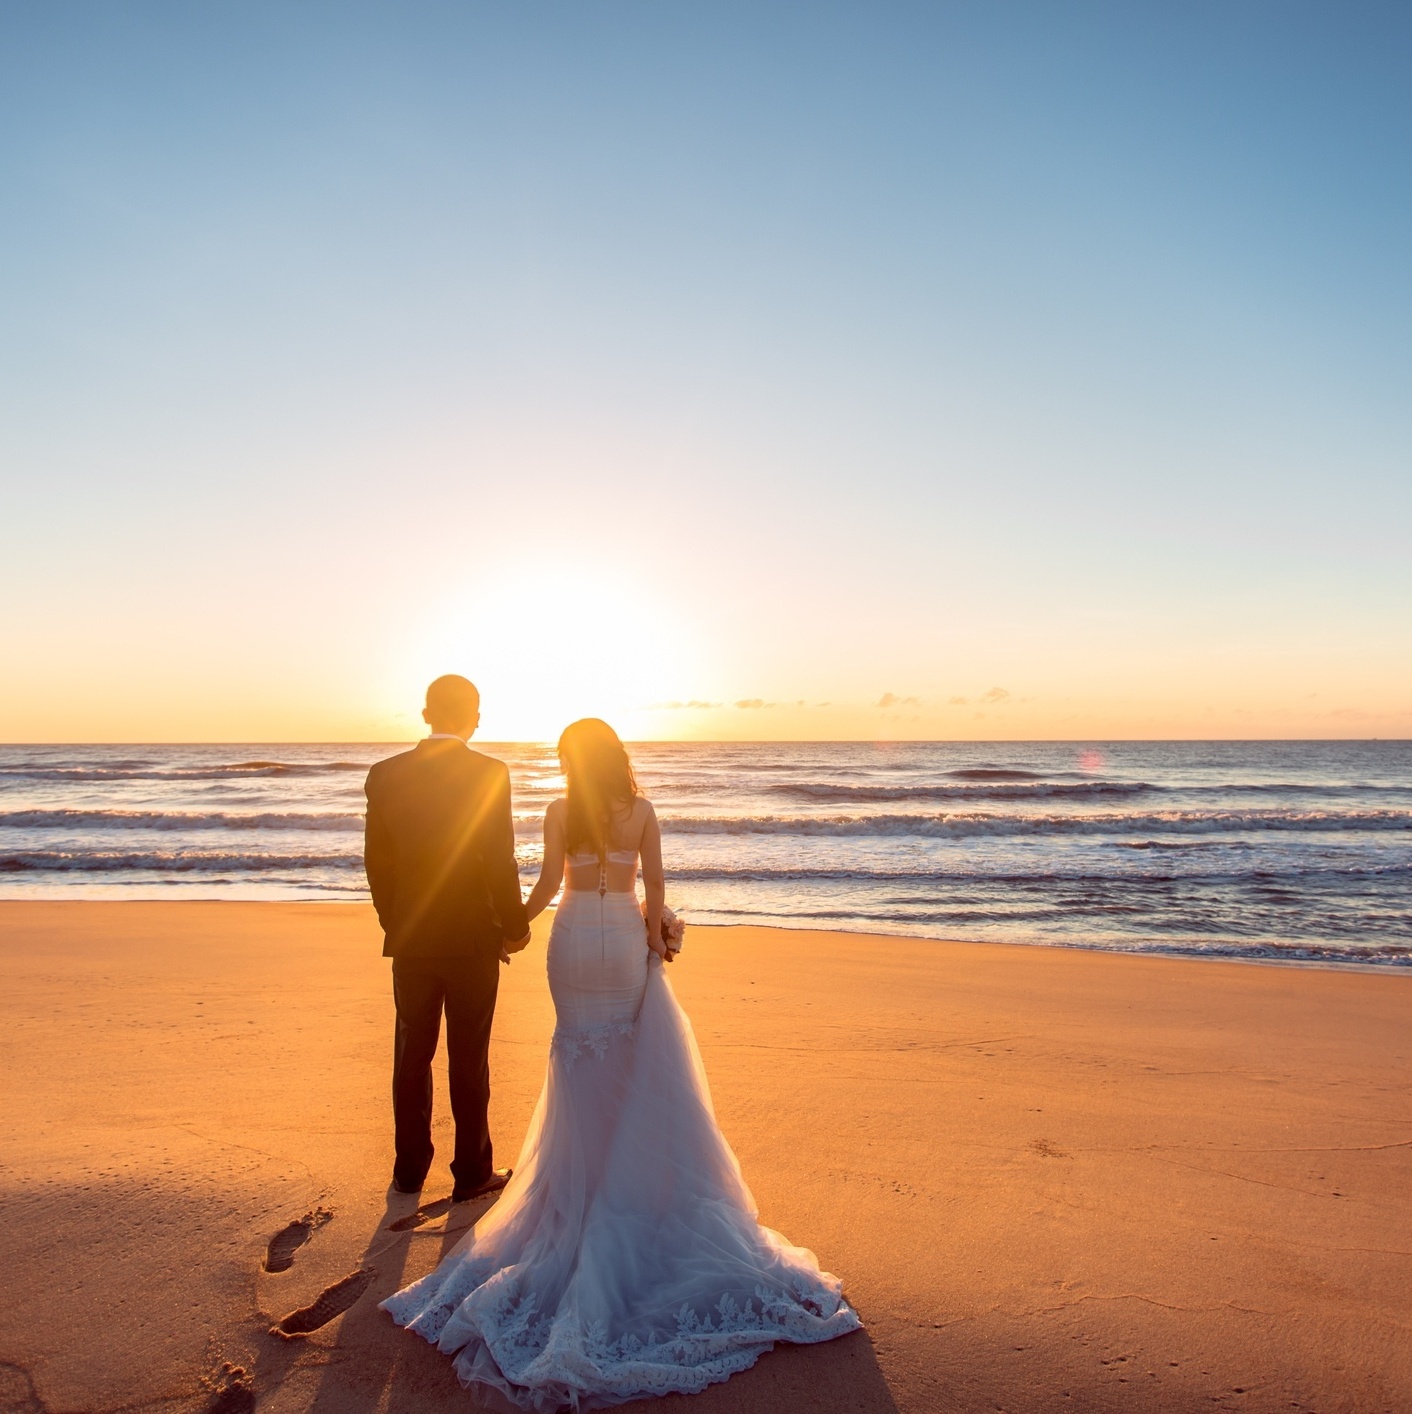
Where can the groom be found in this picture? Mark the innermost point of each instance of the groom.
(440, 856)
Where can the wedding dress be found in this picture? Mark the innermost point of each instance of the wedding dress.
(625, 1257)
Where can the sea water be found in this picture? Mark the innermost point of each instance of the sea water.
(1295, 850)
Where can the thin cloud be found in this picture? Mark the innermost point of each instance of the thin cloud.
(692, 706)
(995, 695)
(891, 699)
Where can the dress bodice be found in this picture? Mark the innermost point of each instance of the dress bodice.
(615, 873)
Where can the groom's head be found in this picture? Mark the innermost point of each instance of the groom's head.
(453, 705)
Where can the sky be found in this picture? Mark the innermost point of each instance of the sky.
(730, 371)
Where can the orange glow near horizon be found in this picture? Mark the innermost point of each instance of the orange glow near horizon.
(546, 647)
(533, 708)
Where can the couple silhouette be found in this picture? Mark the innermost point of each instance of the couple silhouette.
(625, 1257)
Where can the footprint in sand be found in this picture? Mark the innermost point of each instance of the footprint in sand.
(330, 1302)
(17, 1392)
(424, 1214)
(236, 1394)
(279, 1255)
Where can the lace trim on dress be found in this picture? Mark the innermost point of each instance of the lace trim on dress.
(546, 1360)
(569, 1045)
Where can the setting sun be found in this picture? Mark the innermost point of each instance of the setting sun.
(548, 646)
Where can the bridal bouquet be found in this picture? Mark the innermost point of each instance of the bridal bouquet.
(672, 930)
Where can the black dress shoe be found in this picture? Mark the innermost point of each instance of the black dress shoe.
(497, 1180)
(401, 1187)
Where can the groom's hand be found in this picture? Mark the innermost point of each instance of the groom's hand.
(519, 946)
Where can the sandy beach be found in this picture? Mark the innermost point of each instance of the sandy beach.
(1051, 1179)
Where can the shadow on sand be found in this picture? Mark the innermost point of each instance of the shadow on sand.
(364, 1363)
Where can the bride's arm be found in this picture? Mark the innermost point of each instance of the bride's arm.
(551, 869)
(654, 884)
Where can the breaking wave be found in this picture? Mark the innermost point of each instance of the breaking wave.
(184, 861)
(839, 793)
(994, 773)
(175, 820)
(760, 874)
(1080, 790)
(148, 771)
(1209, 822)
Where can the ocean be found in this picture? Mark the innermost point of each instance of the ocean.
(1264, 850)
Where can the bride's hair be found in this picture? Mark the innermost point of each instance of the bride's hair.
(600, 780)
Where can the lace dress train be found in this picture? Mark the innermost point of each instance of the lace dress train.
(625, 1257)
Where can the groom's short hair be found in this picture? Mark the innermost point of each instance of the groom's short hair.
(453, 698)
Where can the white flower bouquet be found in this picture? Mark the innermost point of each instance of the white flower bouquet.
(673, 930)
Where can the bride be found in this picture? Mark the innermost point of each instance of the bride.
(625, 1257)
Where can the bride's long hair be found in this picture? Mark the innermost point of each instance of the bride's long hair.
(601, 784)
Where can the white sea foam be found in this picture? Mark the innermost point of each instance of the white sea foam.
(1174, 822)
(844, 794)
(188, 822)
(149, 771)
(177, 861)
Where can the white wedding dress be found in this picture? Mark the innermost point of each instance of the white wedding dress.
(625, 1257)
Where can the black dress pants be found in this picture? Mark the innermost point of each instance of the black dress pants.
(464, 987)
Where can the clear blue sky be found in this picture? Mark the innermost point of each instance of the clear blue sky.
(628, 354)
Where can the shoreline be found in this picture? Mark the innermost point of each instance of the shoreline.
(1045, 1175)
(1391, 967)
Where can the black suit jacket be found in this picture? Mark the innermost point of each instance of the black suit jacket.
(439, 849)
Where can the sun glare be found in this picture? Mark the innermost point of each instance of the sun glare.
(547, 650)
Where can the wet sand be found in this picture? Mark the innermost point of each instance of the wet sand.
(1050, 1179)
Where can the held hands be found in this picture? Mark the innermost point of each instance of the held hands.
(507, 948)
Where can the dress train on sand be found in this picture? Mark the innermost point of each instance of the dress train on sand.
(625, 1257)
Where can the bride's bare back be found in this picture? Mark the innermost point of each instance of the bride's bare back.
(635, 837)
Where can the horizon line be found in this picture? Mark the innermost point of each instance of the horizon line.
(751, 741)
